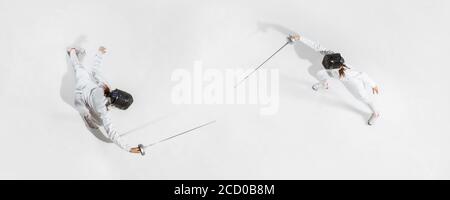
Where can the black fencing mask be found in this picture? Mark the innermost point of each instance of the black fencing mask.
(333, 61)
(121, 99)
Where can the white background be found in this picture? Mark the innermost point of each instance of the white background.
(402, 45)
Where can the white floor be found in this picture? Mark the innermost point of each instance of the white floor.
(401, 44)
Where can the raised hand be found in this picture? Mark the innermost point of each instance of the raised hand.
(102, 49)
(375, 90)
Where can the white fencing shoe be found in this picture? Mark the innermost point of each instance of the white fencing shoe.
(318, 86)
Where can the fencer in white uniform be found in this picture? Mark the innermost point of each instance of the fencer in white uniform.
(93, 98)
(358, 83)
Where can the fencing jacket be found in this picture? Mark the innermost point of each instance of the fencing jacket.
(90, 100)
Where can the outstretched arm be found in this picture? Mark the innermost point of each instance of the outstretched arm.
(316, 46)
(313, 45)
(97, 66)
(99, 102)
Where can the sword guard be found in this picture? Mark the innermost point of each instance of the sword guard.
(293, 38)
(142, 149)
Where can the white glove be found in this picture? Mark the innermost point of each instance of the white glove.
(293, 38)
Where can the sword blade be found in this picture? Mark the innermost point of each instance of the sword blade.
(256, 69)
(182, 133)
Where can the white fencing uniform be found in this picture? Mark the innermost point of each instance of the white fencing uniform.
(358, 83)
(90, 100)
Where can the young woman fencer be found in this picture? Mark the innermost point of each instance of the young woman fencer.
(358, 83)
(93, 97)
